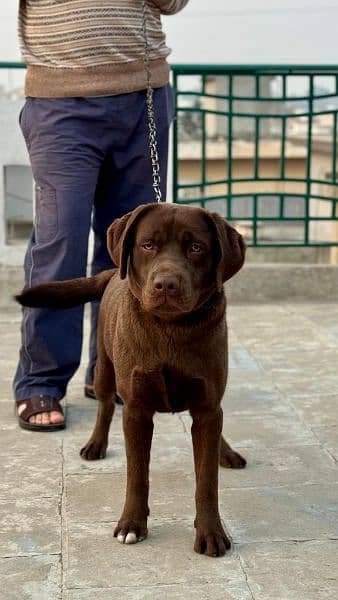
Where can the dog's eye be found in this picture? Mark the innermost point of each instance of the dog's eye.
(195, 247)
(148, 246)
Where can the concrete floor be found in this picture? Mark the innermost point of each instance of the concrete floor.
(280, 410)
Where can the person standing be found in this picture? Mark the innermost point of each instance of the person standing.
(85, 126)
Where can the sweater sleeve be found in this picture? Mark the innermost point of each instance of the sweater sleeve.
(170, 7)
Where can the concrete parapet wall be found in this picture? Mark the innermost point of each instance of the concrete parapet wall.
(286, 282)
(255, 283)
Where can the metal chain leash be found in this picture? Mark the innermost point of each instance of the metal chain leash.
(155, 165)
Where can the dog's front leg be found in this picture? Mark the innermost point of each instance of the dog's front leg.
(206, 435)
(138, 431)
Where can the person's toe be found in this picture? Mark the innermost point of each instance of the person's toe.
(56, 417)
(45, 418)
(21, 408)
(38, 419)
(32, 419)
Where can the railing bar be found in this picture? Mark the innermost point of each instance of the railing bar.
(204, 161)
(12, 65)
(249, 115)
(261, 179)
(283, 146)
(203, 158)
(281, 206)
(308, 161)
(203, 84)
(334, 149)
(197, 69)
(175, 139)
(264, 219)
(284, 87)
(267, 195)
(252, 98)
(254, 228)
(256, 161)
(257, 87)
(230, 107)
(294, 245)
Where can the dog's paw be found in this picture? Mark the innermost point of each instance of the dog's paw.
(232, 460)
(211, 541)
(130, 531)
(93, 450)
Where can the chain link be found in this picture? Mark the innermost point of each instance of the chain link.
(152, 132)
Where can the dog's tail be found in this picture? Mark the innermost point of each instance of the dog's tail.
(66, 294)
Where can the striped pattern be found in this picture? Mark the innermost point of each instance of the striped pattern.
(85, 33)
(88, 48)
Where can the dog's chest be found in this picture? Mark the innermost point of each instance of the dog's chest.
(166, 389)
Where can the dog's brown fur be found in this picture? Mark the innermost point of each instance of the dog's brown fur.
(162, 346)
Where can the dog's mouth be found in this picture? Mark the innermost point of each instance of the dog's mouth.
(165, 305)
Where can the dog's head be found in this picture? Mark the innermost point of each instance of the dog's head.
(175, 256)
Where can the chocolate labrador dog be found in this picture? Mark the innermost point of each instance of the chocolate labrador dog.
(162, 346)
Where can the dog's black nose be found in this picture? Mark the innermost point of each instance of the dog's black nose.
(168, 284)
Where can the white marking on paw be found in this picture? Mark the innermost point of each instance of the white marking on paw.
(131, 538)
(121, 538)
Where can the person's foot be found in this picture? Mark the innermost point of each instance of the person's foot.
(45, 418)
(40, 412)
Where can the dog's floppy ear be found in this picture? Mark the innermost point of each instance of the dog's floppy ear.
(120, 236)
(231, 249)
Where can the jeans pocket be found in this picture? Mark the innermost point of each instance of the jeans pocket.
(23, 118)
(46, 221)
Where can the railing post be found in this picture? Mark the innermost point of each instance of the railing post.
(2, 211)
(334, 250)
(174, 138)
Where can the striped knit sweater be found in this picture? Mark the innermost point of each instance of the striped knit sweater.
(92, 48)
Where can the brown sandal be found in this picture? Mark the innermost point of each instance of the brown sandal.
(35, 406)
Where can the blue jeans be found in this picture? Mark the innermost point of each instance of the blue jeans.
(90, 162)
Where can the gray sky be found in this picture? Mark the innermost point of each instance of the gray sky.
(241, 31)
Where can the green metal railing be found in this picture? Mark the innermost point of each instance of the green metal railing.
(259, 145)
